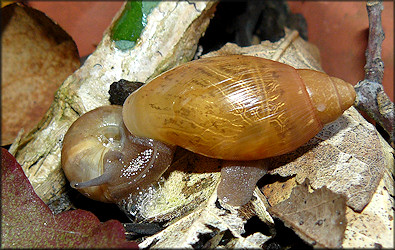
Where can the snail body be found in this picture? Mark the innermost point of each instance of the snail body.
(237, 108)
(105, 162)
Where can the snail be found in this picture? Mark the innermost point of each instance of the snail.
(241, 109)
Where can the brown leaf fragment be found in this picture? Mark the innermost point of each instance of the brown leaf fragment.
(37, 56)
(317, 217)
(374, 226)
(346, 156)
(279, 190)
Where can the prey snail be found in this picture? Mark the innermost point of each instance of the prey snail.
(236, 108)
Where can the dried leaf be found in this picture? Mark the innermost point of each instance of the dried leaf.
(318, 217)
(371, 228)
(279, 190)
(28, 223)
(346, 156)
(37, 56)
(374, 226)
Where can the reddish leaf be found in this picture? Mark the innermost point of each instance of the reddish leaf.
(27, 222)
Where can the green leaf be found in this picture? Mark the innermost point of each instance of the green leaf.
(130, 24)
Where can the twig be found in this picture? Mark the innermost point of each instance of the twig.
(371, 97)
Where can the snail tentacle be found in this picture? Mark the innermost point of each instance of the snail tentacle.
(104, 178)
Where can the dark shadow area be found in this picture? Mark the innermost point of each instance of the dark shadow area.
(103, 211)
(285, 238)
(249, 22)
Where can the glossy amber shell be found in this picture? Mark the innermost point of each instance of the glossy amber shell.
(228, 107)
